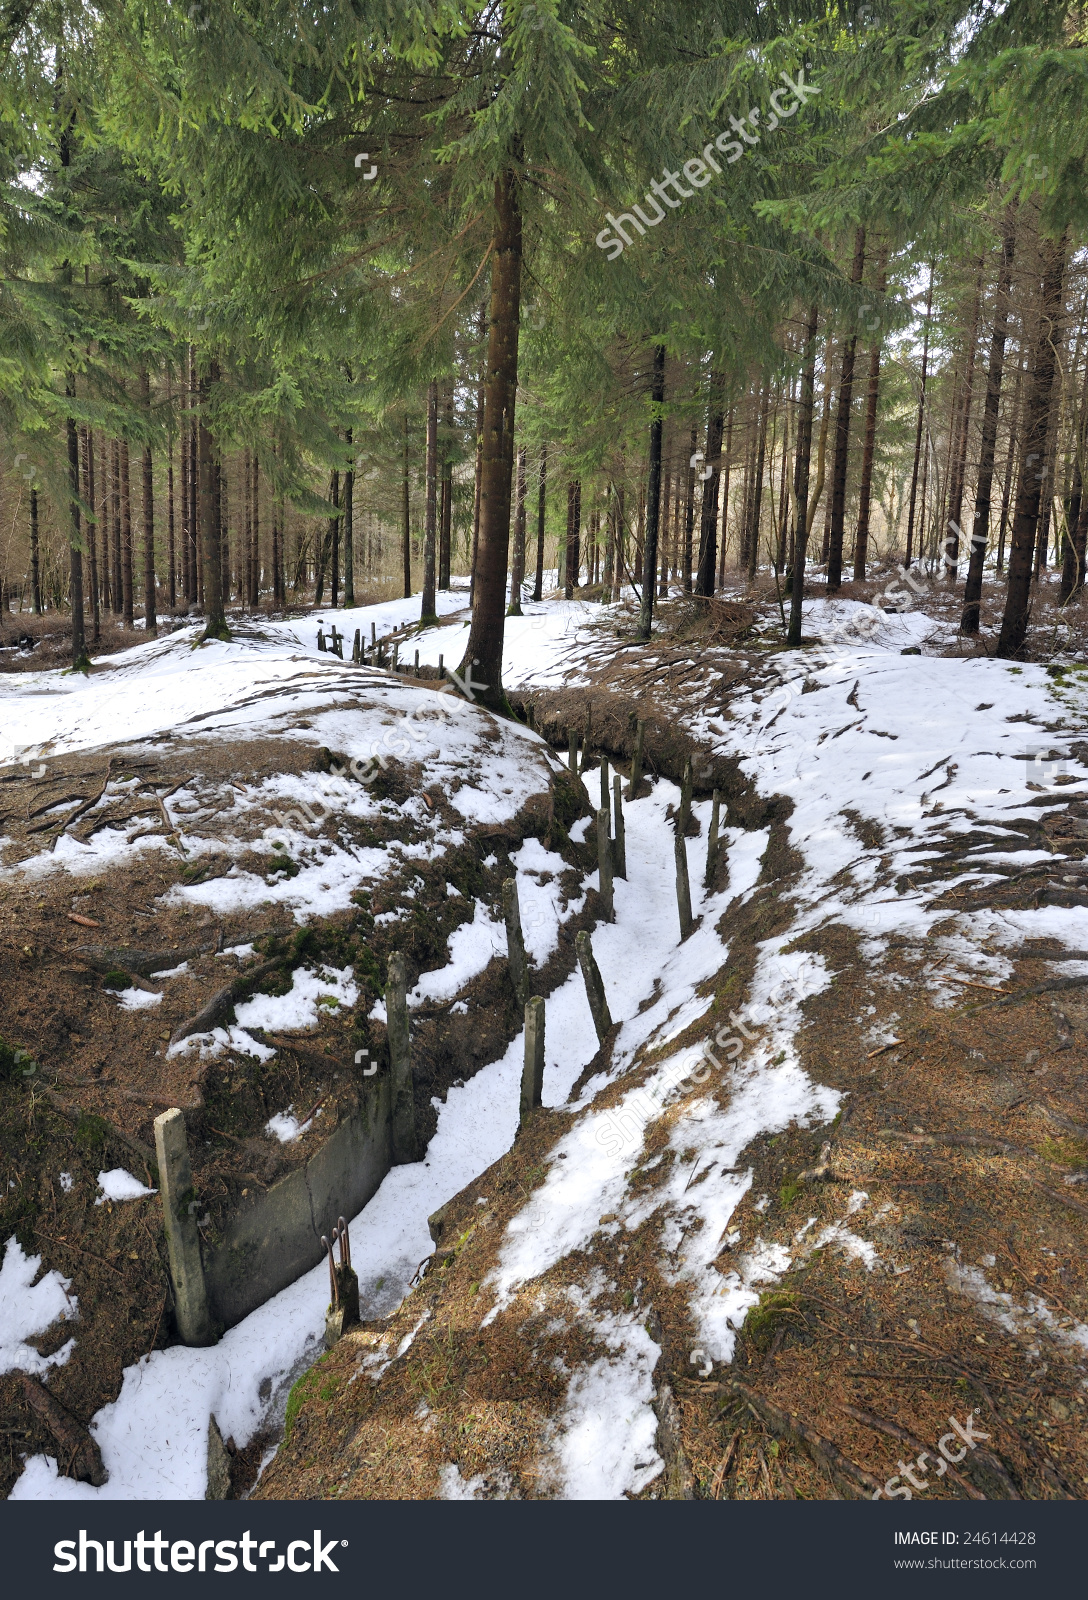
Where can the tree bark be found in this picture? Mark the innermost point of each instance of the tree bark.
(35, 575)
(573, 557)
(255, 514)
(349, 523)
(430, 522)
(517, 567)
(842, 436)
(726, 472)
(150, 620)
(445, 522)
(92, 529)
(541, 495)
(215, 622)
(484, 648)
(708, 521)
(406, 519)
(126, 538)
(653, 495)
(1037, 409)
(757, 484)
(802, 517)
(75, 538)
(115, 511)
(980, 527)
(171, 546)
(921, 423)
(958, 462)
(861, 538)
(689, 510)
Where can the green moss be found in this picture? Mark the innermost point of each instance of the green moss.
(789, 1192)
(297, 1398)
(15, 1063)
(117, 980)
(91, 1132)
(763, 1321)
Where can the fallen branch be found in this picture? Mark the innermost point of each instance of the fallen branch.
(825, 1454)
(215, 1009)
(879, 1424)
(83, 1460)
(1062, 1199)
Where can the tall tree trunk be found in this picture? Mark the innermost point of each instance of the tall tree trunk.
(653, 495)
(406, 519)
(126, 537)
(1072, 552)
(861, 538)
(1014, 623)
(430, 524)
(484, 648)
(445, 521)
(481, 395)
(80, 659)
(334, 541)
(150, 620)
(802, 518)
(115, 512)
(842, 436)
(1010, 457)
(215, 622)
(727, 469)
(958, 462)
(689, 510)
(35, 571)
(541, 495)
(757, 484)
(247, 530)
(921, 422)
(171, 547)
(573, 560)
(708, 521)
(255, 512)
(517, 566)
(980, 527)
(349, 523)
(104, 523)
(92, 528)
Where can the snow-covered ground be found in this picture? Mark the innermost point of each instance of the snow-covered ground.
(924, 748)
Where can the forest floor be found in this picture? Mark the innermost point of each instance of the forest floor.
(862, 1217)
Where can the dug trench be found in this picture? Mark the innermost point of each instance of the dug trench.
(82, 1075)
(935, 1229)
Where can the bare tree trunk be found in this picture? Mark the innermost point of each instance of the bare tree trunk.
(1073, 545)
(572, 562)
(958, 463)
(92, 528)
(171, 547)
(757, 485)
(430, 523)
(921, 422)
(349, 523)
(80, 659)
(842, 436)
(126, 537)
(1014, 623)
(708, 521)
(406, 519)
(104, 523)
(481, 392)
(446, 518)
(35, 573)
(255, 512)
(653, 495)
(215, 622)
(118, 603)
(484, 648)
(980, 528)
(802, 516)
(150, 620)
(517, 566)
(861, 538)
(542, 489)
(689, 509)
(726, 472)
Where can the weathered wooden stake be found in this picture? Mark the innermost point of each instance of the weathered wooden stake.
(400, 1062)
(415, 669)
(604, 867)
(532, 1073)
(320, 639)
(619, 858)
(636, 764)
(591, 975)
(605, 802)
(357, 648)
(396, 663)
(373, 635)
(441, 666)
(515, 943)
(182, 1240)
(712, 838)
(683, 887)
(685, 798)
(572, 760)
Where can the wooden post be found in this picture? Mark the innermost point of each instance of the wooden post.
(415, 669)
(182, 1239)
(396, 652)
(683, 888)
(400, 1062)
(619, 860)
(685, 799)
(598, 1002)
(604, 866)
(572, 761)
(712, 839)
(515, 944)
(532, 1073)
(604, 787)
(636, 764)
(357, 648)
